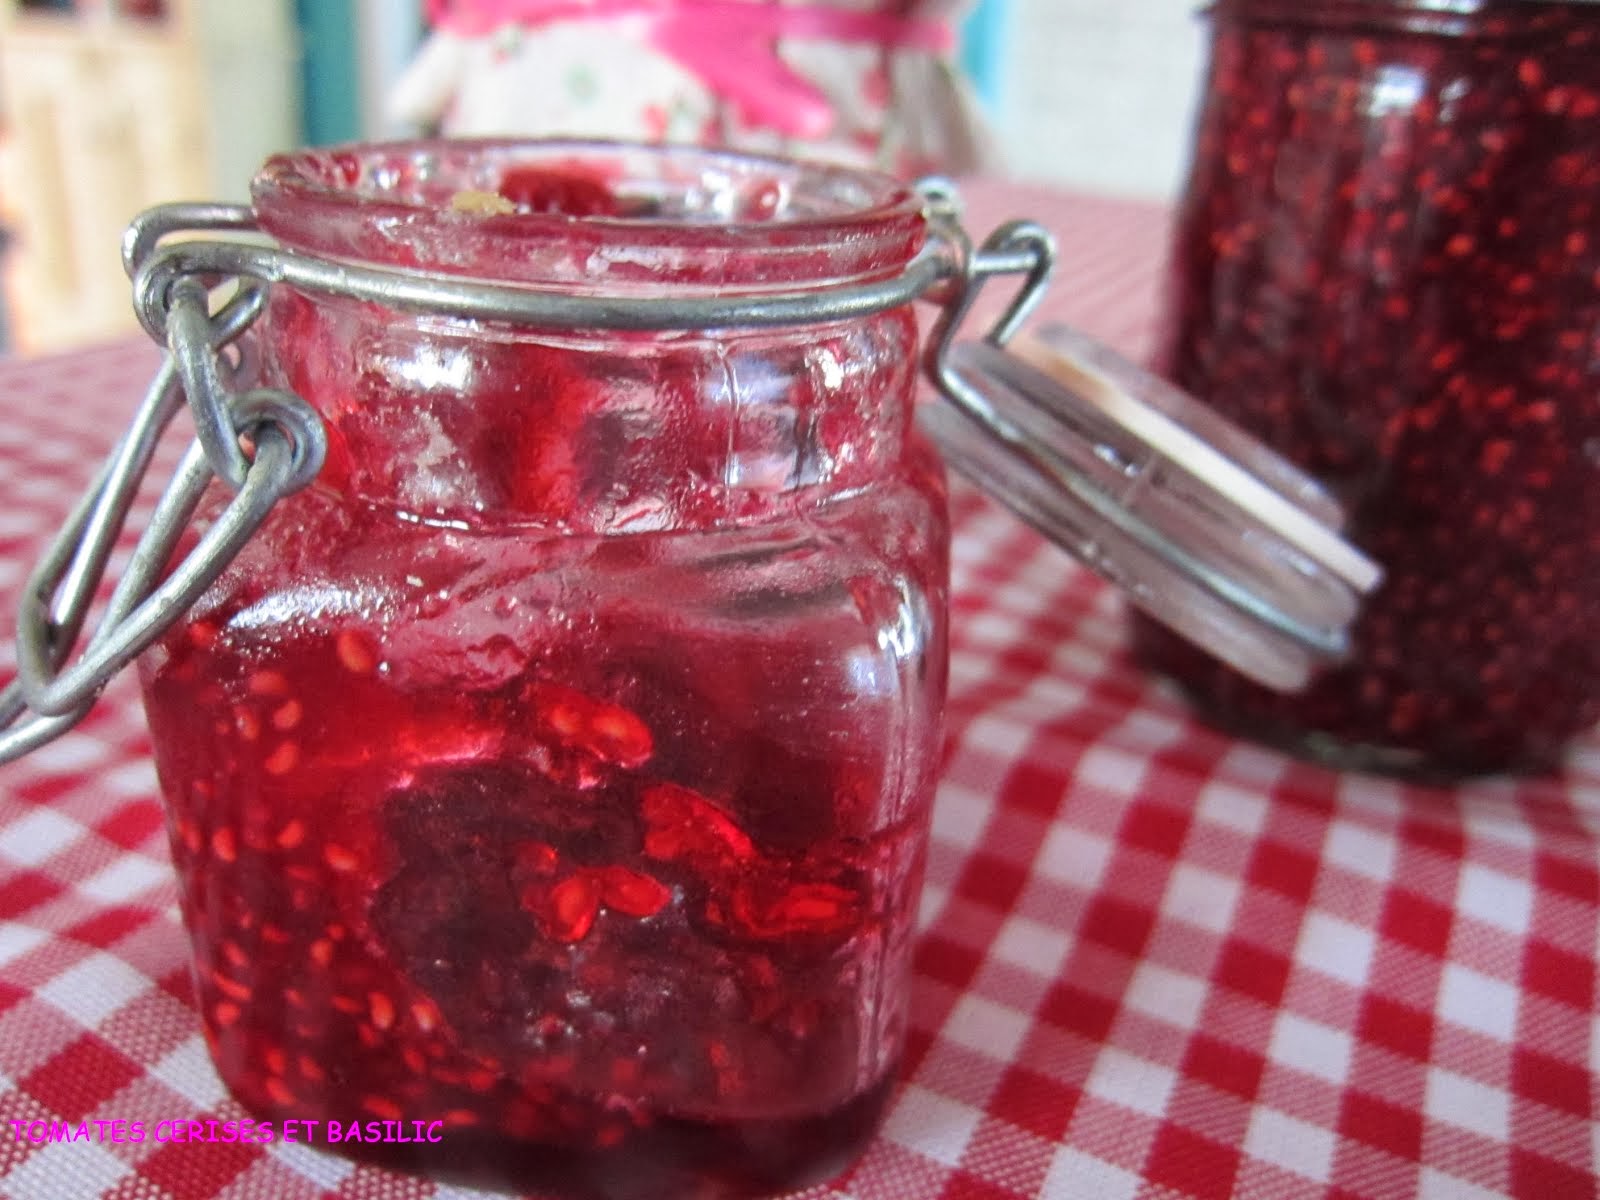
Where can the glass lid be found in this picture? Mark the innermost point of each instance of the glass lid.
(1200, 524)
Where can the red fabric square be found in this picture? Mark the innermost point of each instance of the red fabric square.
(1396, 1027)
(1378, 1123)
(918, 1042)
(1225, 1067)
(1159, 830)
(965, 1186)
(1441, 835)
(1553, 972)
(132, 825)
(946, 961)
(200, 1169)
(1579, 880)
(1282, 869)
(1561, 1085)
(1535, 1175)
(26, 890)
(1253, 971)
(1117, 924)
(1191, 1164)
(1082, 1012)
(179, 985)
(1416, 921)
(81, 1078)
(110, 926)
(1034, 1102)
(1033, 787)
(992, 880)
(11, 995)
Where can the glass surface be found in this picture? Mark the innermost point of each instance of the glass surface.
(1388, 267)
(558, 766)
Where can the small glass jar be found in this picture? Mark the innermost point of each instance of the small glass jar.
(568, 747)
(1387, 266)
(549, 780)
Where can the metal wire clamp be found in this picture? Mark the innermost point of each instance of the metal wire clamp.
(205, 356)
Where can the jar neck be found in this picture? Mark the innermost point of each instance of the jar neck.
(461, 422)
(449, 423)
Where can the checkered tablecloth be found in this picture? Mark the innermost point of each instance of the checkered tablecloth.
(1155, 961)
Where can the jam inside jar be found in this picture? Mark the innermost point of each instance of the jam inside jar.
(557, 767)
(1387, 267)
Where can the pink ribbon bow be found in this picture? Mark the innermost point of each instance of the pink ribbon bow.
(731, 45)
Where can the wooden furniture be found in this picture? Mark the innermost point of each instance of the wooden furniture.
(107, 112)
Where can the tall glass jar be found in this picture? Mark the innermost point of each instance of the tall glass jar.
(554, 774)
(1388, 267)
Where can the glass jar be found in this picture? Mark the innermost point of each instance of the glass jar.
(1387, 266)
(548, 778)
(568, 747)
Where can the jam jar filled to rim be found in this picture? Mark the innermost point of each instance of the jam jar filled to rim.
(1387, 266)
(557, 767)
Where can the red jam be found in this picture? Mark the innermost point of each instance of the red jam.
(1388, 266)
(558, 766)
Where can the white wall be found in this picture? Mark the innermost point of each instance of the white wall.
(1099, 94)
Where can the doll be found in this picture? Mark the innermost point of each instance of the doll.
(868, 86)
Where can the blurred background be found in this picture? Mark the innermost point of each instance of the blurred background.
(109, 106)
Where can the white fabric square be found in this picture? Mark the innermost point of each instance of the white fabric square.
(1074, 1175)
(125, 879)
(1074, 857)
(1232, 807)
(91, 990)
(1294, 1145)
(1312, 1047)
(16, 940)
(136, 778)
(932, 1125)
(1494, 812)
(1496, 898)
(1337, 948)
(1045, 697)
(1166, 995)
(328, 1170)
(1380, 797)
(1131, 1082)
(1201, 897)
(931, 904)
(1434, 1184)
(1034, 947)
(1360, 851)
(187, 1070)
(1148, 732)
(37, 836)
(72, 755)
(1456, 1100)
(988, 629)
(998, 735)
(65, 1171)
(1111, 770)
(993, 1030)
(1252, 764)
(960, 814)
(1477, 1001)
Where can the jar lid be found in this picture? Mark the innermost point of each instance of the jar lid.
(1200, 524)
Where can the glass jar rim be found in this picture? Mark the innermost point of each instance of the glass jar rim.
(738, 220)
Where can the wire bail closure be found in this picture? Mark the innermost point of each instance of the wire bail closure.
(172, 285)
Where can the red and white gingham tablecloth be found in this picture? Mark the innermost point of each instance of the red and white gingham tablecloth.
(1155, 961)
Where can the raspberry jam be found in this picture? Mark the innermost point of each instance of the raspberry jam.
(1388, 267)
(558, 766)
